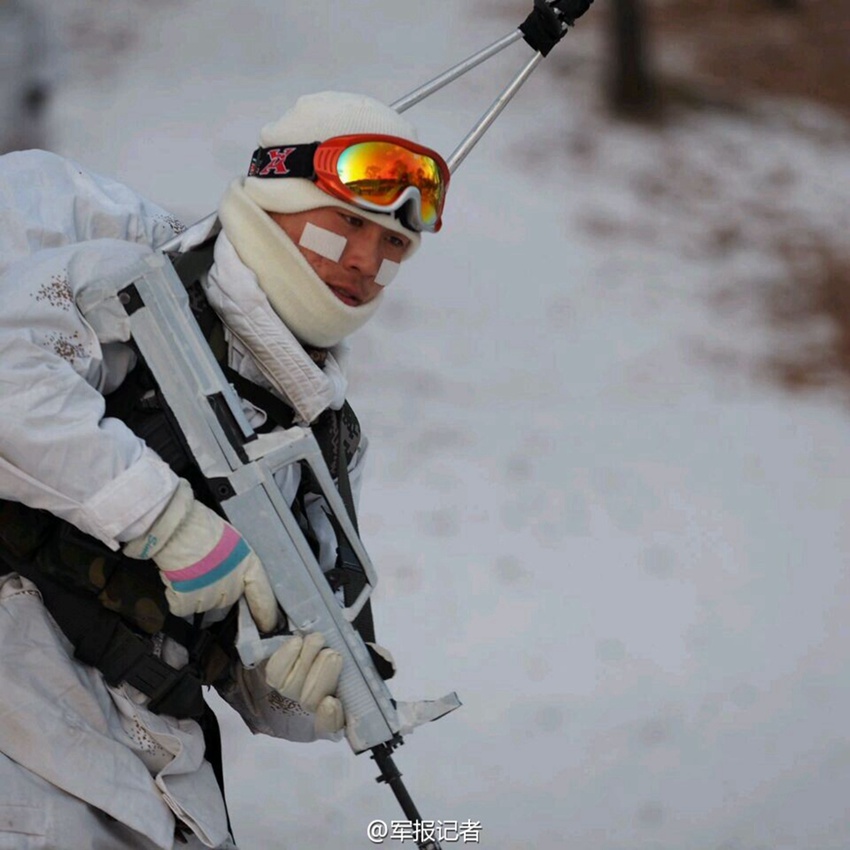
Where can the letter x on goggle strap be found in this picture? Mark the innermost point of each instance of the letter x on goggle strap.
(377, 173)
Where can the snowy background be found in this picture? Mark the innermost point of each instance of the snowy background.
(594, 515)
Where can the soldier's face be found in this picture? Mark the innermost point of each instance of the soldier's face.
(354, 256)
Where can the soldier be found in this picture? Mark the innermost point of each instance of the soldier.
(118, 577)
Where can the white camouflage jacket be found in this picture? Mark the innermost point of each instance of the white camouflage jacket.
(61, 228)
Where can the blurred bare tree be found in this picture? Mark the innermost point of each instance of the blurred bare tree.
(24, 85)
(631, 86)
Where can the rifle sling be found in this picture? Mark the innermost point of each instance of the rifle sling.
(347, 572)
(102, 639)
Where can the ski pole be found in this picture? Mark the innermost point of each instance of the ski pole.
(547, 24)
(459, 154)
(412, 98)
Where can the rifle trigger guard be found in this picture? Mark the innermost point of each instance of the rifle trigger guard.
(252, 648)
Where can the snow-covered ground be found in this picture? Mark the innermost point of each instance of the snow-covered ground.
(623, 550)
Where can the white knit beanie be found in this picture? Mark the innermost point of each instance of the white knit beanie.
(295, 291)
(314, 118)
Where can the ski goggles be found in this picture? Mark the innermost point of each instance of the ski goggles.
(377, 173)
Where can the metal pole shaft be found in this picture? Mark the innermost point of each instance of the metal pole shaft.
(468, 143)
(454, 72)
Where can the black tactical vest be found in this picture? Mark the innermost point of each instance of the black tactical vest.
(111, 606)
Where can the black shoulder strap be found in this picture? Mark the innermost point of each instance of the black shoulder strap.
(101, 639)
(330, 430)
(277, 410)
(348, 571)
(194, 263)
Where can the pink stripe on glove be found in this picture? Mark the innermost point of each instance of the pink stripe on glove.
(226, 544)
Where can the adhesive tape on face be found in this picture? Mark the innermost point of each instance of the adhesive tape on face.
(387, 272)
(324, 242)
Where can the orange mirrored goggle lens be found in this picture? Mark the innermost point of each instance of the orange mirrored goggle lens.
(380, 171)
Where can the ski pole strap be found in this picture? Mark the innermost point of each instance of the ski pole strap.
(102, 640)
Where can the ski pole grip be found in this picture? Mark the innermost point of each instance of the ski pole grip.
(549, 22)
(542, 29)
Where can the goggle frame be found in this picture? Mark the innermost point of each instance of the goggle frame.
(319, 162)
(326, 161)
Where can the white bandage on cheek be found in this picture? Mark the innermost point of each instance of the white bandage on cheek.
(387, 272)
(331, 246)
(326, 243)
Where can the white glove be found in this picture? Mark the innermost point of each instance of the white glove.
(204, 562)
(306, 672)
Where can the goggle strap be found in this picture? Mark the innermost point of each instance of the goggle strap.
(284, 161)
(299, 161)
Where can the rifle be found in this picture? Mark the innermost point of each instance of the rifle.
(239, 466)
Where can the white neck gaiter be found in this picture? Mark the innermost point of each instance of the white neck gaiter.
(298, 295)
(262, 348)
